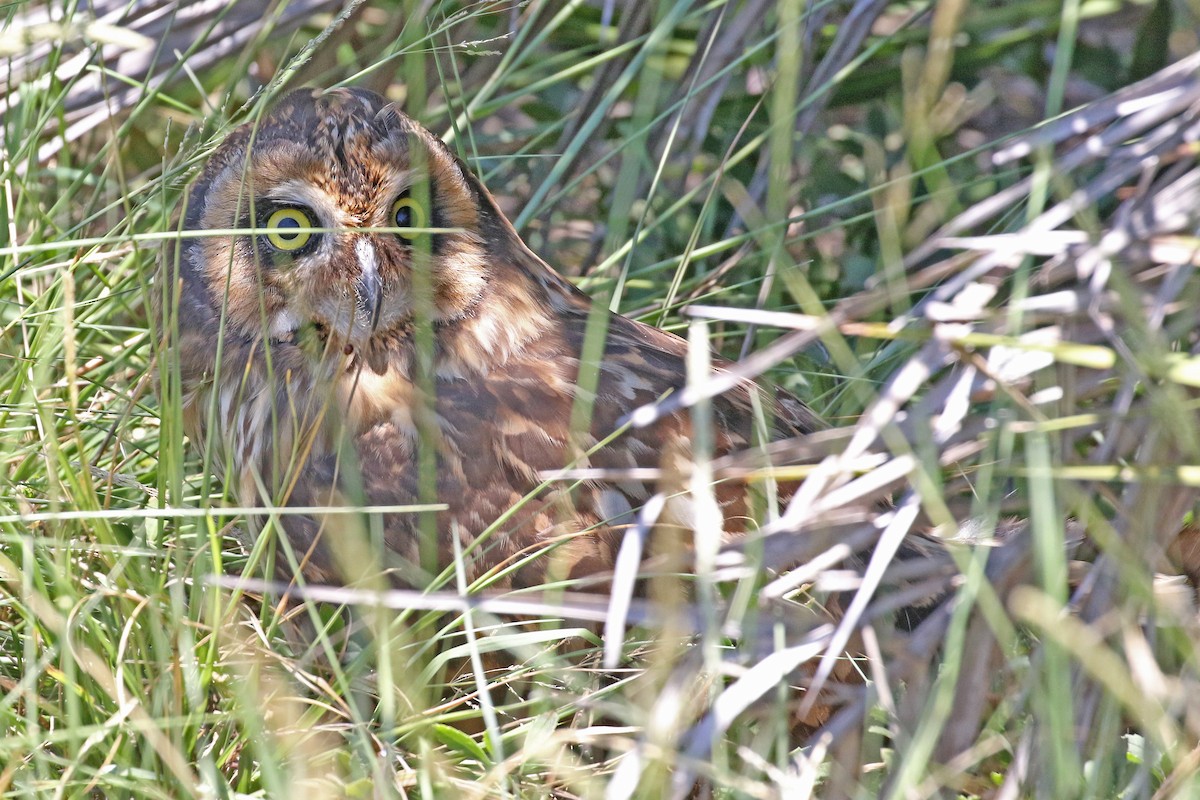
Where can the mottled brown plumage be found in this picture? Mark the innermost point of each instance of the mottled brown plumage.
(297, 353)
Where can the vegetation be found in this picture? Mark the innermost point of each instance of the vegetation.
(1004, 290)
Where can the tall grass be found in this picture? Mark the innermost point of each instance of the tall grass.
(769, 155)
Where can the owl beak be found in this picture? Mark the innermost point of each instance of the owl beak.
(369, 287)
(370, 296)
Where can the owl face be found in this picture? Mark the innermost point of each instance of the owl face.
(311, 190)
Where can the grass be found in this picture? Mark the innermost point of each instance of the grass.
(790, 157)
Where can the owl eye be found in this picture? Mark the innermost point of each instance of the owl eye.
(289, 234)
(408, 213)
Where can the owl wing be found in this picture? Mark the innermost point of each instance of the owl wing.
(498, 436)
(656, 358)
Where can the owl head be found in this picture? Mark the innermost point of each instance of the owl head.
(314, 215)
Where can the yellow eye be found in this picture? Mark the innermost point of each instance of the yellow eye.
(289, 224)
(408, 213)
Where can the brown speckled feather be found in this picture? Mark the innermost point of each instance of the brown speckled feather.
(297, 363)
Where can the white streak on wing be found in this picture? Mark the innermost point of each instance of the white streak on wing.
(486, 333)
(622, 381)
(259, 413)
(614, 507)
(226, 402)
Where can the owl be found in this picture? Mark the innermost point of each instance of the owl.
(354, 323)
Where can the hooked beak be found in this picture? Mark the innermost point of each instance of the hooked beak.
(369, 286)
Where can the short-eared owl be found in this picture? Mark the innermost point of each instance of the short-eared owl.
(302, 332)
